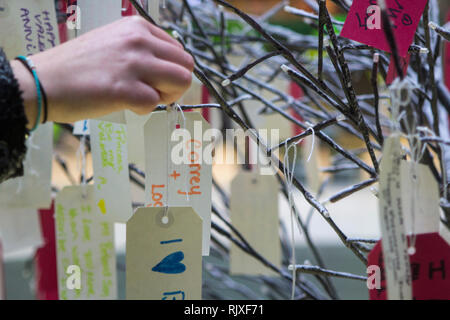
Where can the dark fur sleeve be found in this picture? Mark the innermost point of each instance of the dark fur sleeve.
(13, 130)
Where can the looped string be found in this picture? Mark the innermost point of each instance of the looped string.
(289, 176)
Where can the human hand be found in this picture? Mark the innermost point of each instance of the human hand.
(129, 64)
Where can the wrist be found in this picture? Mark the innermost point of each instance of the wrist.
(28, 87)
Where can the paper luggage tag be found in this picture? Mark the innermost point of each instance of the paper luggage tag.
(2, 275)
(164, 254)
(254, 212)
(45, 259)
(28, 27)
(110, 161)
(194, 95)
(85, 252)
(95, 14)
(178, 172)
(363, 23)
(392, 225)
(33, 189)
(135, 129)
(19, 229)
(392, 71)
(430, 263)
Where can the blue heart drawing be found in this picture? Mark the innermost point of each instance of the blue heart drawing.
(171, 264)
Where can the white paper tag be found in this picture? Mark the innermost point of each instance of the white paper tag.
(84, 247)
(396, 259)
(111, 175)
(33, 189)
(420, 194)
(193, 95)
(81, 128)
(19, 230)
(28, 27)
(254, 212)
(163, 257)
(164, 173)
(95, 14)
(135, 129)
(153, 9)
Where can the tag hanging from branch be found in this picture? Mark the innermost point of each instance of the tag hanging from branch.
(164, 254)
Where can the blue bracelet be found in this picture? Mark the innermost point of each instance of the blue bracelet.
(38, 87)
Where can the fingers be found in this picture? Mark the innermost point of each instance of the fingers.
(157, 32)
(143, 98)
(166, 51)
(169, 79)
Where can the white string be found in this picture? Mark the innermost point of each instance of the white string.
(289, 176)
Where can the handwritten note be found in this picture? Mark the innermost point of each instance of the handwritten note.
(164, 254)
(28, 27)
(111, 175)
(254, 212)
(86, 240)
(392, 222)
(404, 14)
(187, 183)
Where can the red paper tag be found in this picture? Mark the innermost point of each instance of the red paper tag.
(405, 16)
(205, 99)
(430, 268)
(46, 272)
(296, 92)
(129, 10)
(392, 71)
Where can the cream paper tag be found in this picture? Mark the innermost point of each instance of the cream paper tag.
(2, 275)
(95, 14)
(33, 189)
(254, 212)
(313, 174)
(110, 161)
(163, 257)
(420, 194)
(27, 27)
(153, 9)
(135, 129)
(396, 259)
(19, 229)
(186, 173)
(193, 96)
(84, 240)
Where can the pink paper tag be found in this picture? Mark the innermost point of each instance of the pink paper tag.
(362, 27)
(392, 71)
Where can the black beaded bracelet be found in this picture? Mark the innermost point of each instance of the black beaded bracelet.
(44, 95)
